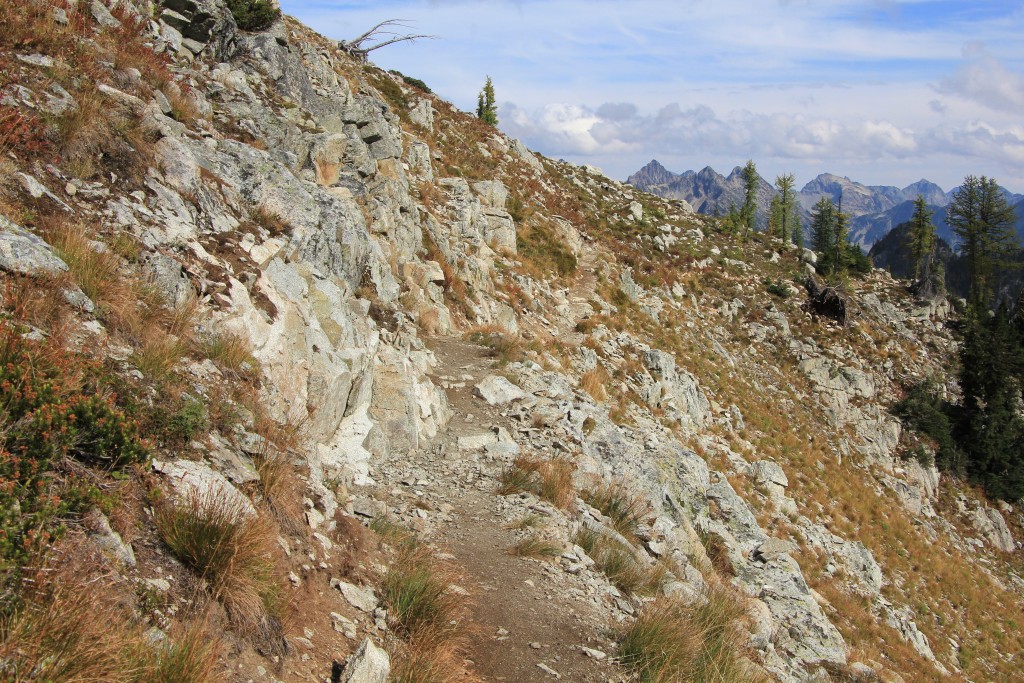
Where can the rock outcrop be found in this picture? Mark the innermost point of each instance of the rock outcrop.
(349, 227)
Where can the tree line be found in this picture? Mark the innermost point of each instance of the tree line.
(981, 436)
(829, 225)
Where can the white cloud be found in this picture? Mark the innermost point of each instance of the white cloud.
(777, 141)
(986, 80)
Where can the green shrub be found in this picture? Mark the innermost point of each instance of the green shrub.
(53, 405)
(414, 82)
(253, 15)
(778, 288)
(924, 411)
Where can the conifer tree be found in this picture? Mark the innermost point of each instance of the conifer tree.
(841, 228)
(775, 219)
(823, 230)
(983, 220)
(922, 240)
(486, 108)
(748, 214)
(990, 427)
(784, 211)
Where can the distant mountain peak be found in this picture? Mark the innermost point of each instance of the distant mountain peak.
(651, 175)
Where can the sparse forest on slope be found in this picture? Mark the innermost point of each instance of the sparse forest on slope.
(307, 375)
(874, 209)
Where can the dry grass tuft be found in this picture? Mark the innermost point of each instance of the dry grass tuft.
(549, 479)
(230, 351)
(614, 499)
(416, 590)
(93, 269)
(191, 658)
(533, 546)
(620, 564)
(425, 611)
(281, 488)
(234, 552)
(431, 660)
(270, 221)
(72, 625)
(594, 382)
(671, 641)
(506, 348)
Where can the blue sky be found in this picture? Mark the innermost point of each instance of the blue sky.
(882, 91)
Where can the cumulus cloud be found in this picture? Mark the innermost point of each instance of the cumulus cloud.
(579, 130)
(987, 81)
(604, 133)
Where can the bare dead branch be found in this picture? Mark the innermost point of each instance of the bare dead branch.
(357, 46)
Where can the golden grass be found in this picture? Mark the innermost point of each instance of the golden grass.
(534, 546)
(234, 552)
(551, 480)
(97, 134)
(595, 383)
(95, 271)
(228, 350)
(281, 488)
(700, 643)
(72, 625)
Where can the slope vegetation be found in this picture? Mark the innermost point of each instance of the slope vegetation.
(309, 376)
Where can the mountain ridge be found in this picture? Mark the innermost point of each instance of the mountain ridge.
(874, 209)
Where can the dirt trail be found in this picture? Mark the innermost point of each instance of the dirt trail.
(526, 612)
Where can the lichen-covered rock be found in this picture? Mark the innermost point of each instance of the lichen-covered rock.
(24, 253)
(497, 390)
(368, 664)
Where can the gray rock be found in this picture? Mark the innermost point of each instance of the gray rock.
(422, 114)
(37, 190)
(166, 273)
(206, 22)
(496, 390)
(362, 599)
(475, 442)
(194, 482)
(521, 151)
(108, 540)
(773, 549)
(24, 253)
(991, 525)
(37, 60)
(369, 664)
(102, 15)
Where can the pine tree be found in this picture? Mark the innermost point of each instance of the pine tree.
(775, 219)
(983, 220)
(990, 427)
(841, 228)
(823, 232)
(922, 240)
(748, 214)
(486, 108)
(784, 213)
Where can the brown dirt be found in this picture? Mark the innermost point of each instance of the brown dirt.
(525, 612)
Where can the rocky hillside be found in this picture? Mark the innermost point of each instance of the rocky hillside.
(309, 376)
